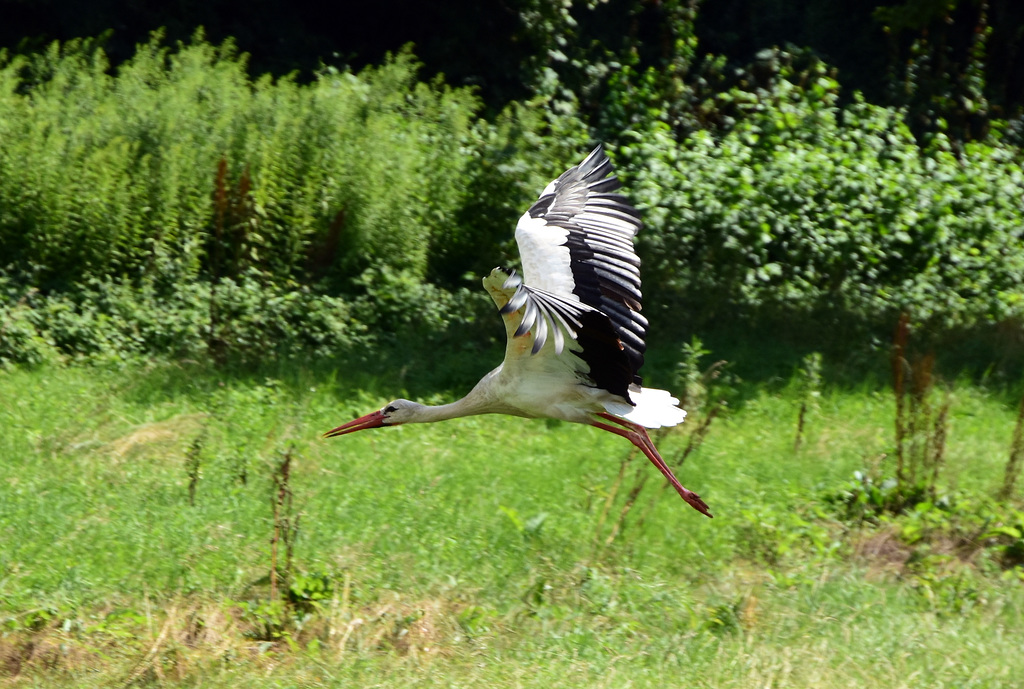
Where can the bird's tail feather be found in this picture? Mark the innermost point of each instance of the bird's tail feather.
(653, 408)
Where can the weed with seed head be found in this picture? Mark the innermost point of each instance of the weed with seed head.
(193, 465)
(286, 524)
(810, 391)
(921, 423)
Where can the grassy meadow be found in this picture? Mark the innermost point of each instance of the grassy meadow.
(185, 245)
(139, 507)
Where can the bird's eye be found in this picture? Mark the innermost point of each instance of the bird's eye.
(390, 409)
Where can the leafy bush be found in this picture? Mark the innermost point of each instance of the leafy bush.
(176, 206)
(20, 341)
(245, 318)
(510, 160)
(179, 165)
(805, 207)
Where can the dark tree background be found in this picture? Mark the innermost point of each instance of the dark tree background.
(471, 42)
(959, 59)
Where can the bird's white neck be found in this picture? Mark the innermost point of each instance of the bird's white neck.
(480, 400)
(426, 413)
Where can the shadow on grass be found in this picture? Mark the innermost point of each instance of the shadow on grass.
(764, 351)
(763, 354)
(390, 370)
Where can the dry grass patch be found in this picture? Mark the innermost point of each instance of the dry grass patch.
(188, 637)
(883, 551)
(160, 434)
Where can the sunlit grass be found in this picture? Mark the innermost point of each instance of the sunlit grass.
(464, 553)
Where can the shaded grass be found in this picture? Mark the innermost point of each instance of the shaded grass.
(107, 574)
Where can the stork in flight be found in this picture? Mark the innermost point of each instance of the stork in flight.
(575, 333)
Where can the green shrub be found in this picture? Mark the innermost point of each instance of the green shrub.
(20, 340)
(805, 207)
(175, 205)
(180, 163)
(244, 319)
(509, 161)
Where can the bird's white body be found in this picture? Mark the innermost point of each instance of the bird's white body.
(554, 385)
(575, 336)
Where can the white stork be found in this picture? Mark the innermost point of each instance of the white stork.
(575, 333)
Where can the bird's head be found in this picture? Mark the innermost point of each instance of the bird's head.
(392, 414)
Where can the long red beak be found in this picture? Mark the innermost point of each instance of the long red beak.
(371, 420)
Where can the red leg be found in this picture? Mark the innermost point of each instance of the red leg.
(638, 436)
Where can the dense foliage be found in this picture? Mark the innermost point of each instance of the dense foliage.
(173, 204)
(180, 165)
(808, 207)
(178, 206)
(955, 59)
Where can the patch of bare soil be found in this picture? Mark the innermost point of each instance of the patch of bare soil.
(883, 551)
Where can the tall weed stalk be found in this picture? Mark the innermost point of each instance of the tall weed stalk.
(921, 420)
(193, 465)
(810, 392)
(285, 526)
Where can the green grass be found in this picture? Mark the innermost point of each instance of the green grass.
(467, 553)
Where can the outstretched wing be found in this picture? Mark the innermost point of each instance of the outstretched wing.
(549, 332)
(576, 244)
